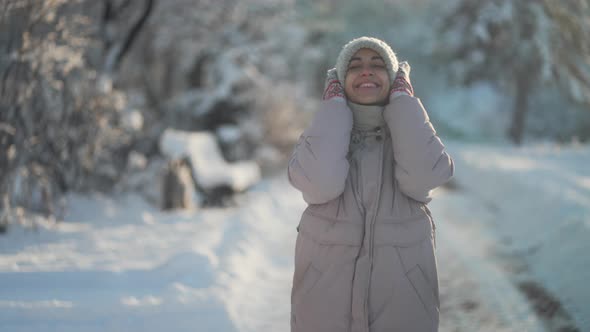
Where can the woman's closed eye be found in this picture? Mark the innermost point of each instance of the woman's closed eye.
(372, 66)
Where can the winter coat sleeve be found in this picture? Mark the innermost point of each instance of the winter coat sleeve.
(421, 162)
(318, 166)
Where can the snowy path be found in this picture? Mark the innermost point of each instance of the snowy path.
(476, 294)
(120, 265)
(532, 206)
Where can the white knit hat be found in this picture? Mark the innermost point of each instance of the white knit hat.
(376, 45)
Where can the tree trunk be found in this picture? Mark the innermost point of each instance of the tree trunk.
(116, 51)
(521, 101)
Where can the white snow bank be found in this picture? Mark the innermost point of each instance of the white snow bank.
(119, 264)
(209, 168)
(115, 264)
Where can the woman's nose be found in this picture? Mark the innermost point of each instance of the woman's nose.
(367, 71)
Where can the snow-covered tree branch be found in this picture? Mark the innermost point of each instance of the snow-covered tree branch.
(522, 46)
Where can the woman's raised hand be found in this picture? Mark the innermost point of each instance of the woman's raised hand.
(332, 87)
(401, 84)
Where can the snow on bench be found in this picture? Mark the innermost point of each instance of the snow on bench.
(210, 169)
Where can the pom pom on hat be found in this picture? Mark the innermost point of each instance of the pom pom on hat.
(376, 45)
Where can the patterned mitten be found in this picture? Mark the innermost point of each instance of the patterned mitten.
(332, 87)
(401, 84)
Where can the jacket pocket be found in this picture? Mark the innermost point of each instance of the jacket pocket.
(305, 249)
(310, 278)
(423, 290)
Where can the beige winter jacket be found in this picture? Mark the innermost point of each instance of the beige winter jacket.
(364, 256)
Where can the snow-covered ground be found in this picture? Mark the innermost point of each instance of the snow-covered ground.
(516, 219)
(534, 205)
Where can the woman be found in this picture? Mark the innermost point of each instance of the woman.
(366, 165)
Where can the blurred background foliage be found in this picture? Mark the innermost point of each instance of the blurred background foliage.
(88, 87)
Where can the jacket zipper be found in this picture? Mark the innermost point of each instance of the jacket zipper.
(372, 232)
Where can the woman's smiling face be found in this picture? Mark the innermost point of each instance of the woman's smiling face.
(367, 80)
